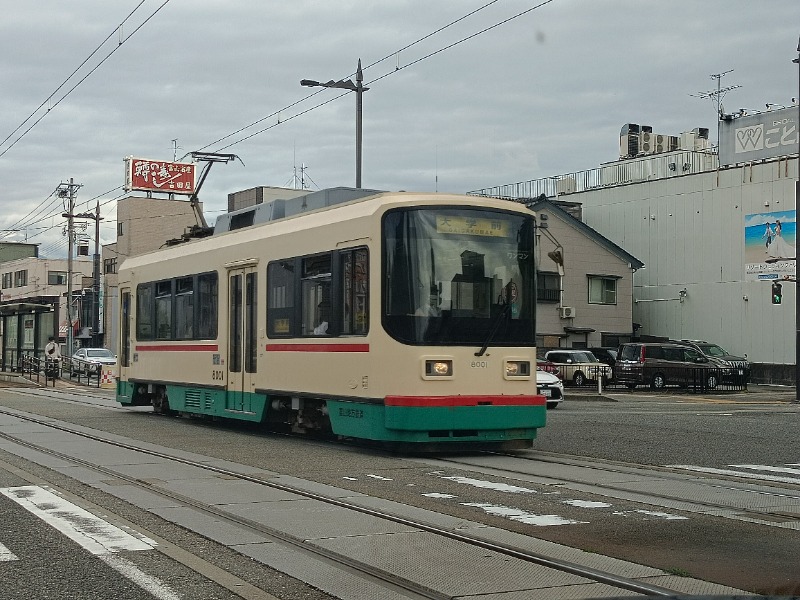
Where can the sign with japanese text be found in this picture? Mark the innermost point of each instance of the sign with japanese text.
(760, 136)
(159, 176)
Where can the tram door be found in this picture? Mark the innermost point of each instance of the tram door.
(242, 337)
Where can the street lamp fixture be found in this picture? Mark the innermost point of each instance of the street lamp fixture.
(359, 89)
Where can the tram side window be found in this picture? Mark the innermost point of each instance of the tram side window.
(316, 295)
(280, 304)
(164, 310)
(207, 306)
(144, 311)
(355, 284)
(184, 308)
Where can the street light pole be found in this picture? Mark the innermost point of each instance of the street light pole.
(359, 89)
(796, 194)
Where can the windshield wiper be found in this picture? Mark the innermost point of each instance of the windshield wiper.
(497, 320)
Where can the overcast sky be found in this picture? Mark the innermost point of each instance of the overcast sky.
(543, 94)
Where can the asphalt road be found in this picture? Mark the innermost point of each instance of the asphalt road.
(709, 432)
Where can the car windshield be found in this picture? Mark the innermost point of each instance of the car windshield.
(100, 353)
(712, 350)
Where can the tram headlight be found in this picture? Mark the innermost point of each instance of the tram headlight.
(439, 368)
(518, 368)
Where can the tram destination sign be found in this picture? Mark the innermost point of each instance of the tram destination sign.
(159, 176)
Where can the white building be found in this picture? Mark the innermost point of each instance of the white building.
(697, 227)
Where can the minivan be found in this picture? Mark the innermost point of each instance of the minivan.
(660, 364)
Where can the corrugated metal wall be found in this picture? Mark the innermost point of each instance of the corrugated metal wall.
(689, 232)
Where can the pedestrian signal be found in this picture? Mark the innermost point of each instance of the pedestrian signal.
(777, 294)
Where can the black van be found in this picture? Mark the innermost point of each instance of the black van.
(659, 364)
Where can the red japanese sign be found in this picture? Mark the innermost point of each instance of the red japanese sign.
(159, 176)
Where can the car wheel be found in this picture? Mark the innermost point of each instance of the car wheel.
(552, 405)
(579, 379)
(711, 381)
(659, 382)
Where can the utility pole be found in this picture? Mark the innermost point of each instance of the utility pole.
(67, 191)
(95, 304)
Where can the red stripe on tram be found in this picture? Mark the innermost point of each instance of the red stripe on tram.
(180, 348)
(451, 401)
(317, 348)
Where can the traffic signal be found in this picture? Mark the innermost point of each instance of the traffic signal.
(777, 294)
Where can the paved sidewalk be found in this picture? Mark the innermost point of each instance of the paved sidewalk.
(753, 393)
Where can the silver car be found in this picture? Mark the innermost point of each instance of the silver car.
(91, 360)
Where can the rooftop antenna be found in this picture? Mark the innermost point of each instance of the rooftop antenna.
(175, 149)
(717, 95)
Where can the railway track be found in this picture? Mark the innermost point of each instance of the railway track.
(409, 578)
(560, 469)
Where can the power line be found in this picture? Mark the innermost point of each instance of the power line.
(80, 81)
(398, 68)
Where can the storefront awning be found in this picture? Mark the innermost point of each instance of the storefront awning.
(62, 328)
(20, 308)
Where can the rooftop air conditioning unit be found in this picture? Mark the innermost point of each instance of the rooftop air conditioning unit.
(646, 142)
(661, 143)
(567, 312)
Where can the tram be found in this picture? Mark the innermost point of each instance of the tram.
(404, 319)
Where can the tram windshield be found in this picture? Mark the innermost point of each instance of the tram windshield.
(459, 276)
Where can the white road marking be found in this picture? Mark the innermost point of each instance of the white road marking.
(522, 516)
(587, 504)
(651, 513)
(81, 526)
(130, 571)
(7, 555)
(491, 485)
(91, 532)
(436, 495)
(379, 477)
(742, 474)
(768, 468)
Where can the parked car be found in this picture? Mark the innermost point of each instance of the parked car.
(91, 360)
(578, 366)
(547, 366)
(549, 386)
(659, 364)
(739, 365)
(605, 355)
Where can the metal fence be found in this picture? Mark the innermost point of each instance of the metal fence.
(34, 368)
(689, 379)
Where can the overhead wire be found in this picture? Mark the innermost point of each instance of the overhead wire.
(80, 81)
(388, 56)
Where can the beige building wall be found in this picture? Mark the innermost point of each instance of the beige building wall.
(143, 225)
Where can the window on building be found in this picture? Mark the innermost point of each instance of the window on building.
(8, 280)
(110, 265)
(21, 278)
(119, 229)
(56, 278)
(548, 287)
(602, 289)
